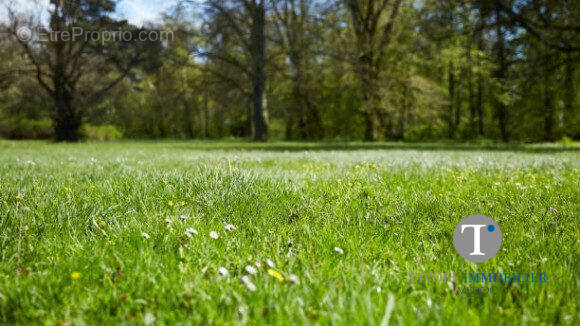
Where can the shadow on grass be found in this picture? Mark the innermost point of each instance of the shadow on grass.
(362, 146)
(283, 146)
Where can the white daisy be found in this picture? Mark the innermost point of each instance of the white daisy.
(190, 232)
(183, 217)
(214, 235)
(222, 271)
(230, 227)
(339, 250)
(246, 280)
(251, 270)
(148, 319)
(293, 279)
(270, 263)
(145, 235)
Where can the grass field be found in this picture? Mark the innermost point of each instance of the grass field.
(84, 236)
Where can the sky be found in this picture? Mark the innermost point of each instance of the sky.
(137, 12)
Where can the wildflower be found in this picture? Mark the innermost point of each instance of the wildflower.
(251, 270)
(248, 283)
(214, 235)
(379, 289)
(189, 232)
(170, 203)
(450, 285)
(148, 319)
(183, 217)
(275, 274)
(168, 220)
(293, 279)
(270, 263)
(145, 235)
(339, 250)
(258, 264)
(222, 271)
(429, 302)
(75, 275)
(242, 310)
(230, 227)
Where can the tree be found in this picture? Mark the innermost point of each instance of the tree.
(246, 19)
(372, 22)
(74, 69)
(294, 28)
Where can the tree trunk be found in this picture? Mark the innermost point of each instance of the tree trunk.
(188, 120)
(451, 89)
(370, 98)
(65, 120)
(500, 74)
(371, 124)
(479, 98)
(206, 118)
(548, 103)
(471, 103)
(479, 105)
(549, 118)
(569, 95)
(316, 128)
(258, 35)
(300, 104)
(309, 120)
(403, 113)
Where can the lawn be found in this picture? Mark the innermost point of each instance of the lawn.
(103, 233)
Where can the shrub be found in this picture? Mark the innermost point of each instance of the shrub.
(26, 129)
(101, 133)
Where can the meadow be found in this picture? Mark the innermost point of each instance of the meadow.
(281, 233)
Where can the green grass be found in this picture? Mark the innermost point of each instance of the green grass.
(392, 208)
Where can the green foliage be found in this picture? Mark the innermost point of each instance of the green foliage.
(391, 207)
(101, 133)
(26, 129)
(568, 142)
(441, 77)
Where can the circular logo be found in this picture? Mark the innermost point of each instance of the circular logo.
(477, 238)
(24, 34)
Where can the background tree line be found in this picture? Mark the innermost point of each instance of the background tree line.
(299, 69)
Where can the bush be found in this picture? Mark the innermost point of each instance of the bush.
(568, 142)
(26, 129)
(101, 133)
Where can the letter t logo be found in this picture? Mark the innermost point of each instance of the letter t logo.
(476, 238)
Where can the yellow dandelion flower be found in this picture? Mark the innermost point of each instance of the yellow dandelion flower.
(75, 275)
(170, 203)
(275, 274)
